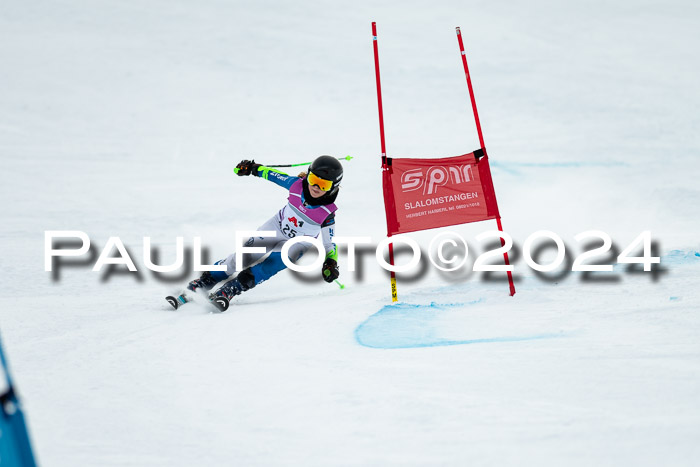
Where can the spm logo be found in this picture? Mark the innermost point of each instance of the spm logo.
(436, 176)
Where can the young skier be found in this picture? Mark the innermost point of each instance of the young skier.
(310, 211)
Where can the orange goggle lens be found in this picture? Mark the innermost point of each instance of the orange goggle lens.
(324, 185)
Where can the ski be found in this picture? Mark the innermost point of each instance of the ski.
(219, 302)
(177, 302)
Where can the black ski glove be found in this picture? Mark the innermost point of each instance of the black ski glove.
(246, 167)
(330, 270)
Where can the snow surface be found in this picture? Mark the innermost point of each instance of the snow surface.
(126, 119)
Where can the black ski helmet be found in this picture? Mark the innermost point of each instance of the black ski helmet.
(328, 168)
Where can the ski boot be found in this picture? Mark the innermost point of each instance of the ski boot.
(206, 281)
(222, 297)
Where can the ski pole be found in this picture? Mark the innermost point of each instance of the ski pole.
(346, 158)
(339, 284)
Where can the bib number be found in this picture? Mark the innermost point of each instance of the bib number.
(289, 231)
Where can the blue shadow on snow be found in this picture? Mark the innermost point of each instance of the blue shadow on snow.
(680, 257)
(514, 167)
(405, 326)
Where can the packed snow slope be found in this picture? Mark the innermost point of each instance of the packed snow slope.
(126, 119)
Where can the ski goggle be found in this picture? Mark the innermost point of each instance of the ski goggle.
(323, 184)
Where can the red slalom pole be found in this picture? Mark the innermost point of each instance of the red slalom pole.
(483, 146)
(385, 166)
(471, 90)
(379, 93)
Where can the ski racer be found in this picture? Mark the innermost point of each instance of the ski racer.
(310, 211)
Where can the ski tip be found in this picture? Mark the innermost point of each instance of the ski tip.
(221, 303)
(173, 301)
